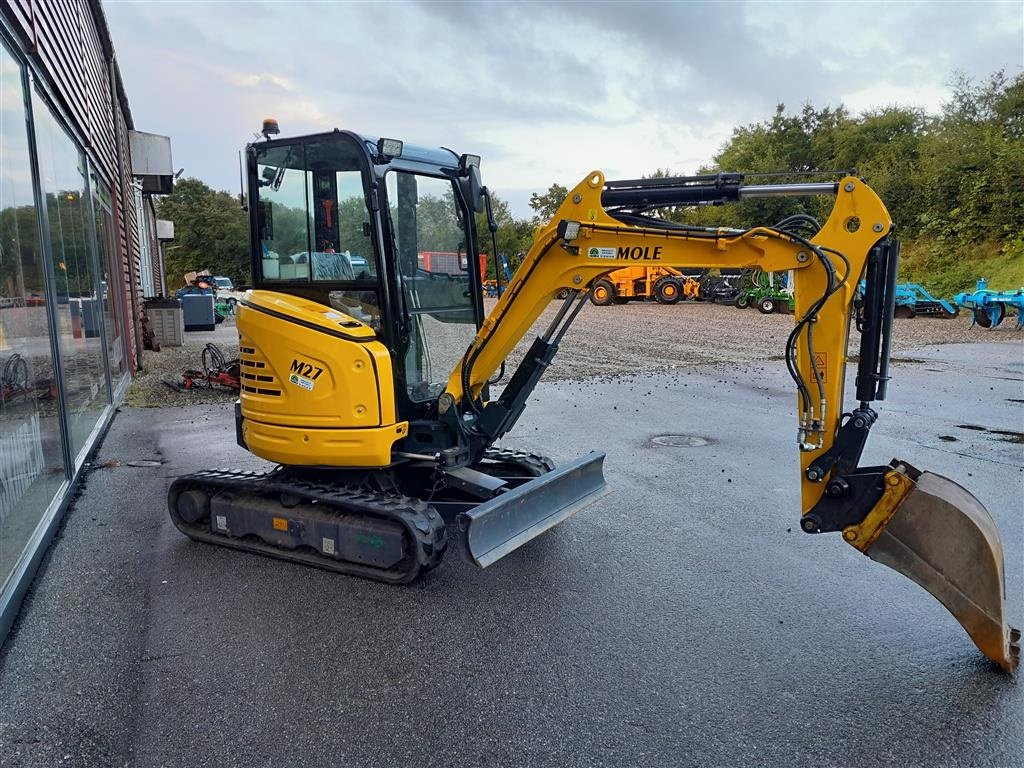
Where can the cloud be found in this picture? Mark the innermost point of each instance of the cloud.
(545, 92)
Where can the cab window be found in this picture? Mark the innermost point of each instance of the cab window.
(430, 241)
(314, 226)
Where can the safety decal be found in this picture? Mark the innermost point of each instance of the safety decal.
(301, 381)
(601, 253)
(821, 363)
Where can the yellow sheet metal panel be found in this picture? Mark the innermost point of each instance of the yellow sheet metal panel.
(304, 310)
(296, 446)
(306, 365)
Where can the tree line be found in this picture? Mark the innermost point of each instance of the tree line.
(953, 181)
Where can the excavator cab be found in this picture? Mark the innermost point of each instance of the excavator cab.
(380, 232)
(367, 362)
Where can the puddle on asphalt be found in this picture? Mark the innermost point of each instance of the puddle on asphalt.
(681, 441)
(1005, 435)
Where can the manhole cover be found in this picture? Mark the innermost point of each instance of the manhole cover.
(681, 441)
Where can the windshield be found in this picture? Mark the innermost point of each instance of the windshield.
(223, 282)
(431, 245)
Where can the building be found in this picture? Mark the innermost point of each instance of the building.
(71, 266)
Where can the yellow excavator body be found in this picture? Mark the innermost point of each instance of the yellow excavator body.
(312, 390)
(367, 372)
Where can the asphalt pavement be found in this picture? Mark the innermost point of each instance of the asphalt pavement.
(683, 620)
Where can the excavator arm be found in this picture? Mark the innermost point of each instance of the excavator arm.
(922, 525)
(584, 242)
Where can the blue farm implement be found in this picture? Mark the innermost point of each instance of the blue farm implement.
(989, 308)
(913, 299)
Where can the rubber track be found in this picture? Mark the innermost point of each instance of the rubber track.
(424, 526)
(534, 463)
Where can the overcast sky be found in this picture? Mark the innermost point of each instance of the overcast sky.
(545, 92)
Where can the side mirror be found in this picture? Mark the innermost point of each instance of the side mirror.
(472, 189)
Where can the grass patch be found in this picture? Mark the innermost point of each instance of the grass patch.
(946, 268)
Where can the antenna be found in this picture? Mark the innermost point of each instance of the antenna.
(241, 184)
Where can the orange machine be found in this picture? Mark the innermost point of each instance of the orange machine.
(666, 285)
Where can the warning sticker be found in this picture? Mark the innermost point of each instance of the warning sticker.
(301, 381)
(601, 253)
(821, 363)
(280, 524)
(328, 546)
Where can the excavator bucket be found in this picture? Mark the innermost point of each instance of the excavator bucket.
(936, 533)
(503, 524)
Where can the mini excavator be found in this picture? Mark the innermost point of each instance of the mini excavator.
(366, 368)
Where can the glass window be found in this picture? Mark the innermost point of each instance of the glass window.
(430, 242)
(75, 275)
(31, 454)
(111, 297)
(313, 221)
(283, 213)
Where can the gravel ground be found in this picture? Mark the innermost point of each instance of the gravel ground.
(632, 338)
(644, 337)
(149, 389)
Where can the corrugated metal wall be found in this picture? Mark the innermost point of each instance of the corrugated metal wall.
(62, 35)
(128, 230)
(69, 42)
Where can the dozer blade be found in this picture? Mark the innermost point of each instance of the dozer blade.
(503, 524)
(937, 534)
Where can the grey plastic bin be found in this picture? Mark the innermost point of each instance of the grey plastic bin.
(198, 312)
